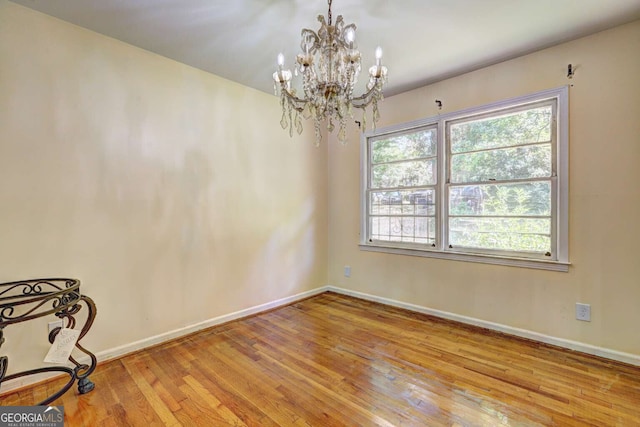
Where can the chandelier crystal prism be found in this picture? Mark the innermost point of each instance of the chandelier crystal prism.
(329, 65)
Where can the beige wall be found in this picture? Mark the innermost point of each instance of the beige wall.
(604, 202)
(172, 194)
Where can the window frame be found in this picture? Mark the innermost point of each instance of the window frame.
(559, 189)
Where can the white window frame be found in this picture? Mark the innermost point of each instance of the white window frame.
(559, 188)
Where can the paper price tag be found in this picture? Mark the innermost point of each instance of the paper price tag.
(62, 346)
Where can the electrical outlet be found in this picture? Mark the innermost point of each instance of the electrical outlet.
(55, 324)
(583, 312)
(347, 271)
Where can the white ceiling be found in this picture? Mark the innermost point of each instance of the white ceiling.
(423, 40)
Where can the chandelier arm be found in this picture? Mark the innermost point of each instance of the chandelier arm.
(310, 41)
(296, 103)
(366, 98)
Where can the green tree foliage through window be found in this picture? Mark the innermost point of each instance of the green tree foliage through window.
(500, 152)
(404, 160)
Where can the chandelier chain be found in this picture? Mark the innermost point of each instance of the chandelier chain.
(329, 1)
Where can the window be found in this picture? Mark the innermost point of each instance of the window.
(487, 184)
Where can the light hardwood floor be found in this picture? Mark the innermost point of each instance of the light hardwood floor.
(333, 360)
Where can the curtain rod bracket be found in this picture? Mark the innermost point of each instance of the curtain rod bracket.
(570, 71)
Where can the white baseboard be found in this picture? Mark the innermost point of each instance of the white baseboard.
(116, 352)
(177, 333)
(632, 359)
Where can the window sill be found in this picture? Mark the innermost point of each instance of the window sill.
(485, 259)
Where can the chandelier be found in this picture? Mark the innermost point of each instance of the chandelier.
(329, 65)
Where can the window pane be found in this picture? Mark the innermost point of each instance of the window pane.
(522, 199)
(404, 229)
(423, 199)
(406, 202)
(405, 147)
(404, 174)
(510, 234)
(532, 161)
(522, 127)
(386, 202)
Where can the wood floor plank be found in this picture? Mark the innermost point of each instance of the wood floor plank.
(334, 360)
(159, 411)
(210, 407)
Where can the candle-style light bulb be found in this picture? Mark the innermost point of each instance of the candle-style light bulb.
(350, 37)
(280, 60)
(378, 55)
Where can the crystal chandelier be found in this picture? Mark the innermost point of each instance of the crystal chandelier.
(329, 65)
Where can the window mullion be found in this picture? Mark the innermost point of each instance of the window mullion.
(365, 193)
(442, 219)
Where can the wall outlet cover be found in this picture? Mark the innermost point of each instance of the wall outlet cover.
(347, 271)
(583, 312)
(55, 324)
